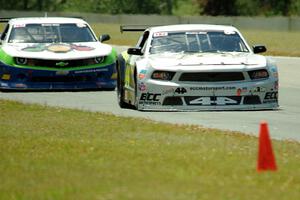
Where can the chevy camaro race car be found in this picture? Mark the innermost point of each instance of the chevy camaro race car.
(195, 67)
(54, 53)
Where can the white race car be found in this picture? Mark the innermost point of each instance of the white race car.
(195, 67)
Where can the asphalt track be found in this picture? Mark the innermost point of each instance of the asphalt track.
(283, 123)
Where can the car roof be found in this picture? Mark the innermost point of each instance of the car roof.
(190, 27)
(41, 20)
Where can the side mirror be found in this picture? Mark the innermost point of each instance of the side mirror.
(259, 49)
(104, 37)
(135, 51)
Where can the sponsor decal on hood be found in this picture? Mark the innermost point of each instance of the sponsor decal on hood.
(219, 60)
(57, 48)
(54, 51)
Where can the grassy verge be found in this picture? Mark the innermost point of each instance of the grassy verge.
(54, 153)
(279, 43)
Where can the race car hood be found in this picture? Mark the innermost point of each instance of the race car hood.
(207, 60)
(58, 51)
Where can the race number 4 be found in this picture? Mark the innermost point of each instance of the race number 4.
(208, 101)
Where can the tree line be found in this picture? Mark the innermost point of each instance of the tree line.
(164, 7)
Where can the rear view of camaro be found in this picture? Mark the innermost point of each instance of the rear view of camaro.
(54, 53)
(196, 67)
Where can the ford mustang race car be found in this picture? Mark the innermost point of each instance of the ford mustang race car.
(195, 67)
(54, 53)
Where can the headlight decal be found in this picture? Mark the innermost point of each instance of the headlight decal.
(258, 74)
(21, 61)
(162, 75)
(99, 60)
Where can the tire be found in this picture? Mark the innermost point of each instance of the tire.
(120, 93)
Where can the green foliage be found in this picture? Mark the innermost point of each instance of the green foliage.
(186, 7)
(167, 7)
(294, 7)
(39, 5)
(245, 7)
(275, 7)
(99, 6)
(218, 7)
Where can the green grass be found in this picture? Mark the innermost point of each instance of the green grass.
(55, 153)
(117, 38)
(279, 43)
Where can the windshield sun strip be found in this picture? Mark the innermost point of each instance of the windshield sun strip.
(32, 33)
(233, 35)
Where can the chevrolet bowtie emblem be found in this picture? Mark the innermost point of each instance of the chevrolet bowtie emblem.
(61, 64)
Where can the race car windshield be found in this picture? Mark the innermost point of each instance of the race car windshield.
(197, 41)
(51, 33)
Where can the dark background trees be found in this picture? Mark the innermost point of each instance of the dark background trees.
(252, 7)
(165, 7)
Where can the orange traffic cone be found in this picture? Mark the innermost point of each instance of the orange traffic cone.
(266, 159)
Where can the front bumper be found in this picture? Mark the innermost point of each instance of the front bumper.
(169, 96)
(14, 78)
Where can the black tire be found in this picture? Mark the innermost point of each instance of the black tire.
(120, 93)
(109, 89)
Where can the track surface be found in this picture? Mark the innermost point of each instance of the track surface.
(283, 123)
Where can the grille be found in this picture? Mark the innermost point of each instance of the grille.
(172, 101)
(212, 76)
(61, 64)
(252, 100)
(65, 79)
